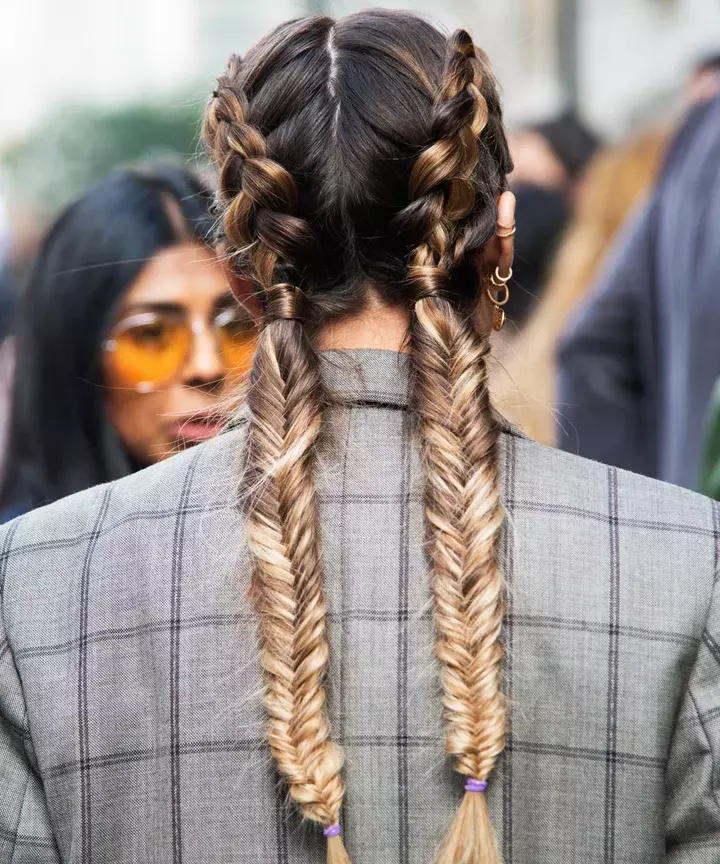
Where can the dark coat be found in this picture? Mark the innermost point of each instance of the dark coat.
(638, 364)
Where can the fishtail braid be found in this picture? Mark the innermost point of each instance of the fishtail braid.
(459, 443)
(284, 398)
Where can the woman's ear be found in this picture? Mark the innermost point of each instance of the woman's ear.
(505, 231)
(500, 248)
(497, 254)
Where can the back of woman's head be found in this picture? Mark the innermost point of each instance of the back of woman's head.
(60, 440)
(364, 157)
(346, 110)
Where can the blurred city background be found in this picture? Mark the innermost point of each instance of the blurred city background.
(593, 91)
(85, 84)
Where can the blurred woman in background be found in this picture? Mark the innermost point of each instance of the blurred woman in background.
(524, 385)
(126, 335)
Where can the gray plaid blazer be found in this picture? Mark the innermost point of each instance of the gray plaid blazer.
(131, 726)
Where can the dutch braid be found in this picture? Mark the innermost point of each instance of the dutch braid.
(284, 399)
(459, 442)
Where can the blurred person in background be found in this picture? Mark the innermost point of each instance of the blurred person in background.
(639, 362)
(549, 160)
(618, 177)
(704, 83)
(126, 334)
(524, 384)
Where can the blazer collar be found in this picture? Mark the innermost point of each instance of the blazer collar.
(371, 377)
(367, 377)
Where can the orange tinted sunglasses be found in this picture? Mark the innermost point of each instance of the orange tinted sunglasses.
(150, 348)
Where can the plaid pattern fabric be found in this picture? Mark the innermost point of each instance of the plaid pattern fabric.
(131, 726)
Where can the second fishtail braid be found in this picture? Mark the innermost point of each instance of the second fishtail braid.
(460, 440)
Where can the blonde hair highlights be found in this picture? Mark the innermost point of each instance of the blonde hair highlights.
(262, 223)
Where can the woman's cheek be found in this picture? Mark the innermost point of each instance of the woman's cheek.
(141, 422)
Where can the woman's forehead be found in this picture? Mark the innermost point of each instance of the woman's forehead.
(187, 275)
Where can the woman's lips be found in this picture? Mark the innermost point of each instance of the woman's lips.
(197, 428)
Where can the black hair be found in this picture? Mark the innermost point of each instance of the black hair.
(571, 140)
(61, 440)
(708, 63)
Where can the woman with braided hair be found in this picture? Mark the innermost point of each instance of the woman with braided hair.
(370, 568)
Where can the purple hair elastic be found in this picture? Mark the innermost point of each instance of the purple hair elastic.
(333, 830)
(472, 785)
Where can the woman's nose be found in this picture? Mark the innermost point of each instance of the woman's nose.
(204, 365)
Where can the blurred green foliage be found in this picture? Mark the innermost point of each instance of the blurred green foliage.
(710, 474)
(78, 145)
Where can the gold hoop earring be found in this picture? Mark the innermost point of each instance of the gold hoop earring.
(499, 297)
(499, 281)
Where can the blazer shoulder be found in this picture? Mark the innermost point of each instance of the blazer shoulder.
(608, 533)
(562, 480)
(127, 519)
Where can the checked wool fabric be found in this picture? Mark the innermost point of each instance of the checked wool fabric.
(131, 721)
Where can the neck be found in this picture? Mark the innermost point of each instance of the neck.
(377, 325)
